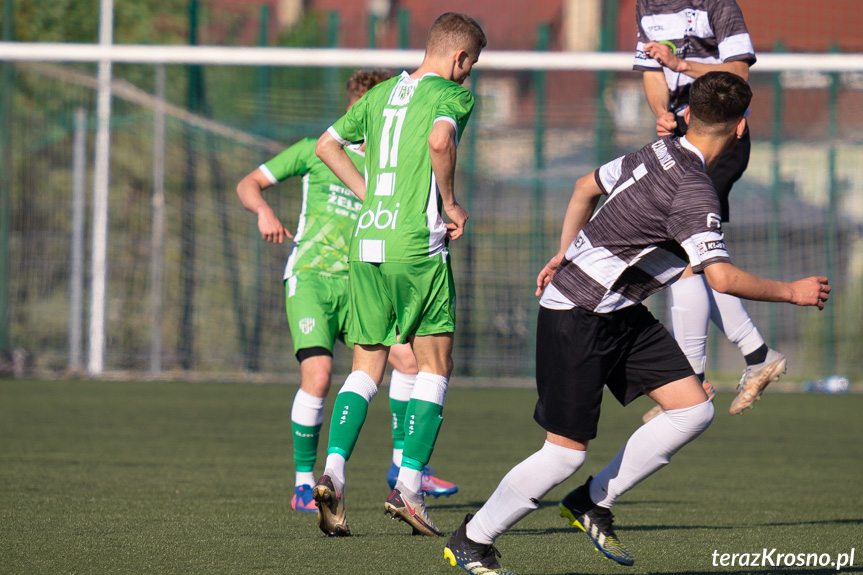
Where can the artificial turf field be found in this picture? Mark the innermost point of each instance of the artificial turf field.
(103, 477)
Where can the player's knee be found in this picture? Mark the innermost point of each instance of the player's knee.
(316, 369)
(692, 420)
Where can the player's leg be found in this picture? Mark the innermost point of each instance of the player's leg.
(690, 319)
(349, 415)
(424, 303)
(402, 380)
(307, 417)
(308, 303)
(570, 393)
(517, 495)
(687, 413)
(423, 419)
(372, 329)
(653, 365)
(763, 364)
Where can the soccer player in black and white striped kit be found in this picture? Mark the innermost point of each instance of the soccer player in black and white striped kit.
(678, 41)
(661, 212)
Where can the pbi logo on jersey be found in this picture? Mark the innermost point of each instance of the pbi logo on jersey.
(714, 221)
(381, 218)
(307, 324)
(705, 247)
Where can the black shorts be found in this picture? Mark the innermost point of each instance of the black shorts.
(728, 168)
(578, 352)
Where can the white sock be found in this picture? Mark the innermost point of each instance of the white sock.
(401, 385)
(335, 468)
(307, 409)
(304, 478)
(430, 387)
(690, 318)
(648, 450)
(362, 384)
(520, 491)
(728, 313)
(411, 479)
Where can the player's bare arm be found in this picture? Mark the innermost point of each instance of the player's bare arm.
(442, 152)
(663, 54)
(729, 279)
(656, 91)
(250, 191)
(332, 153)
(581, 206)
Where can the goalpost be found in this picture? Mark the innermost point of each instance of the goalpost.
(533, 140)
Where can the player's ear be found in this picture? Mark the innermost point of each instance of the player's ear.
(686, 115)
(741, 127)
(461, 57)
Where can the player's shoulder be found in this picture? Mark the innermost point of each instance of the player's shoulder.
(304, 147)
(448, 87)
(299, 149)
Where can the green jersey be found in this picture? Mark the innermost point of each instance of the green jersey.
(401, 220)
(328, 214)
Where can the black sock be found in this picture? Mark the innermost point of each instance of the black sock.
(757, 356)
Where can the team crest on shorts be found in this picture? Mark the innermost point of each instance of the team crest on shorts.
(307, 324)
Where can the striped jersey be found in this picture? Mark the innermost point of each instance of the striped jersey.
(328, 213)
(706, 31)
(660, 211)
(400, 220)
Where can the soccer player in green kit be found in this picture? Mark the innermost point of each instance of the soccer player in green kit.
(400, 273)
(316, 293)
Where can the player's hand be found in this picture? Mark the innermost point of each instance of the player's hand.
(666, 122)
(458, 217)
(663, 54)
(810, 291)
(547, 273)
(271, 228)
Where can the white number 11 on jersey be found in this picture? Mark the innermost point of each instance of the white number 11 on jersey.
(390, 154)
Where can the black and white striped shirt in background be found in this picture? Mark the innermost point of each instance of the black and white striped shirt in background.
(706, 31)
(661, 210)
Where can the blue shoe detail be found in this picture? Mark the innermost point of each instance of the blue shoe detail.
(303, 500)
(431, 485)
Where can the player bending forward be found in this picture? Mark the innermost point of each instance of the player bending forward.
(661, 209)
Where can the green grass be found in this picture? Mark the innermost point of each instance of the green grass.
(100, 477)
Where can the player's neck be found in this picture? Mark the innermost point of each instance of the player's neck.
(710, 146)
(438, 66)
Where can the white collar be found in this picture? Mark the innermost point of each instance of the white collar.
(689, 146)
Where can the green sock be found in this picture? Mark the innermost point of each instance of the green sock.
(423, 420)
(398, 409)
(349, 414)
(305, 445)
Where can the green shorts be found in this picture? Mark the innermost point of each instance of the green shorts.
(318, 310)
(419, 298)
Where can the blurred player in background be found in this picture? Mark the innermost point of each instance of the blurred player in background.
(400, 272)
(316, 293)
(661, 211)
(679, 41)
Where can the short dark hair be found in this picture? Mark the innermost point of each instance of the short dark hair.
(361, 81)
(719, 98)
(455, 31)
